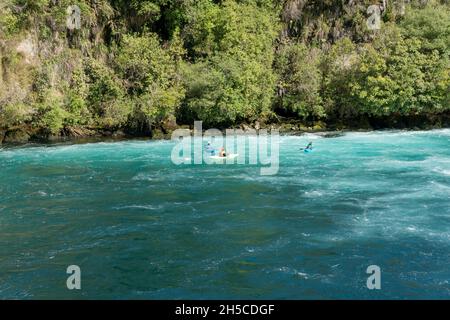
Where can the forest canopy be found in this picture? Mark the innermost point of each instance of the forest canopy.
(136, 65)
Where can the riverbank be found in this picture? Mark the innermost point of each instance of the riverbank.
(28, 134)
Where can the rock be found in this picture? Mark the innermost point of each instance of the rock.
(319, 126)
(28, 49)
(245, 127)
(340, 126)
(302, 127)
(169, 125)
(118, 134)
(2, 135)
(16, 136)
(78, 132)
(257, 125)
(331, 134)
(285, 127)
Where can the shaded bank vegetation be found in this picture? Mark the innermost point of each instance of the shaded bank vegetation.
(144, 67)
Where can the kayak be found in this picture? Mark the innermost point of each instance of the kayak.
(308, 150)
(230, 156)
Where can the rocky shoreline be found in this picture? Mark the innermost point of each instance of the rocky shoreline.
(27, 134)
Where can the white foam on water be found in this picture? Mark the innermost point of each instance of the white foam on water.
(306, 234)
(442, 171)
(145, 207)
(313, 194)
(292, 271)
(144, 177)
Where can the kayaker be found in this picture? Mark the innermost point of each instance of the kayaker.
(309, 147)
(210, 149)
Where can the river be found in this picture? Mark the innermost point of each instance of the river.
(141, 227)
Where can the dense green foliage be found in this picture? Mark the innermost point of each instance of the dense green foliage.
(135, 64)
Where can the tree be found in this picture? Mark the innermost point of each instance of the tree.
(300, 79)
(339, 68)
(151, 78)
(237, 63)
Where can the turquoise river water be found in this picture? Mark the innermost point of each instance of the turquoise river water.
(140, 227)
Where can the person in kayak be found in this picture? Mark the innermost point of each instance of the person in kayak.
(222, 153)
(309, 147)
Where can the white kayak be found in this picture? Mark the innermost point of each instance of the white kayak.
(230, 156)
